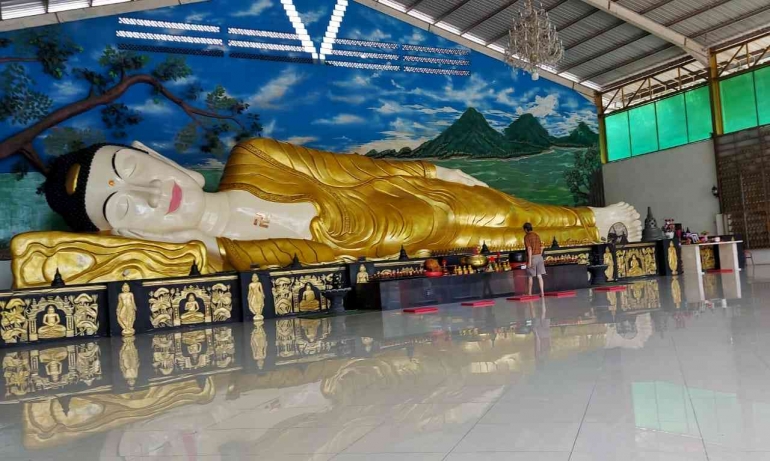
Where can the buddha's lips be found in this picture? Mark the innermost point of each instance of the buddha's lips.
(176, 198)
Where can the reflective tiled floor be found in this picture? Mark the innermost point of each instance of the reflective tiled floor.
(670, 369)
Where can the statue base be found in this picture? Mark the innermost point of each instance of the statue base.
(598, 274)
(337, 298)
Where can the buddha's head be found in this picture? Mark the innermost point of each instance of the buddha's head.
(112, 188)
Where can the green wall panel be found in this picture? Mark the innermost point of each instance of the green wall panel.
(762, 82)
(644, 132)
(672, 122)
(618, 141)
(739, 102)
(699, 123)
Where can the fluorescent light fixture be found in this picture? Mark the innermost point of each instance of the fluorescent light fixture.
(364, 55)
(434, 71)
(437, 50)
(262, 33)
(264, 46)
(334, 26)
(366, 43)
(362, 65)
(166, 24)
(167, 37)
(446, 61)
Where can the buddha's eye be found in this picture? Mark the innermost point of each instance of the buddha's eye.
(125, 164)
(118, 207)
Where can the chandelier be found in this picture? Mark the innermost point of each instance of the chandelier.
(533, 40)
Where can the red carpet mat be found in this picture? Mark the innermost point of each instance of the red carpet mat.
(421, 310)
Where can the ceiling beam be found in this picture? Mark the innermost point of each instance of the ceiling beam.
(716, 27)
(584, 90)
(639, 37)
(616, 25)
(489, 16)
(681, 62)
(693, 48)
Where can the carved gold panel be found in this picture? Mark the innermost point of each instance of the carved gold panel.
(188, 351)
(636, 262)
(55, 368)
(58, 315)
(708, 261)
(190, 304)
(300, 291)
(642, 295)
(299, 339)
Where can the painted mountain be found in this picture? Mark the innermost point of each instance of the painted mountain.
(472, 136)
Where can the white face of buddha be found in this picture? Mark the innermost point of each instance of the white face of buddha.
(139, 190)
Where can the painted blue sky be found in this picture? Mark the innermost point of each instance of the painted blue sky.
(338, 109)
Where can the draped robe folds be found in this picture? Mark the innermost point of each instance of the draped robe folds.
(371, 207)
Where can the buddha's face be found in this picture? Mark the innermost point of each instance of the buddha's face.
(140, 190)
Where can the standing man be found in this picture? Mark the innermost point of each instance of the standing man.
(535, 262)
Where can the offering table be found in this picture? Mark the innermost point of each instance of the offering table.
(728, 256)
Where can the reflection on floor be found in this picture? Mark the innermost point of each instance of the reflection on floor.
(670, 369)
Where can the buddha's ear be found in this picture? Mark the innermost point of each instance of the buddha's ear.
(197, 177)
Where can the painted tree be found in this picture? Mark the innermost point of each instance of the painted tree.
(584, 179)
(213, 115)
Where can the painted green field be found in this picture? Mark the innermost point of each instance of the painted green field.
(539, 178)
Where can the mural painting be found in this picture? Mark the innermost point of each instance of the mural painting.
(119, 79)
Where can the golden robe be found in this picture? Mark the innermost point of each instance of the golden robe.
(368, 207)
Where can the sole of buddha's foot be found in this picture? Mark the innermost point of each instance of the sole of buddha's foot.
(619, 213)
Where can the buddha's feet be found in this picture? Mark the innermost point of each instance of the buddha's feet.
(619, 213)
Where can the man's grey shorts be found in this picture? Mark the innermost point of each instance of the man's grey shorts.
(537, 267)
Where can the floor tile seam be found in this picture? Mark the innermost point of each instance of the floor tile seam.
(468, 431)
(287, 427)
(689, 397)
(372, 429)
(336, 456)
(588, 405)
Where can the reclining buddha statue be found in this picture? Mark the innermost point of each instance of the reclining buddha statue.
(137, 214)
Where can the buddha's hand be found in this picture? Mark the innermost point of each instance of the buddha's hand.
(457, 176)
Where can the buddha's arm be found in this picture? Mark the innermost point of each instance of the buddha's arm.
(242, 255)
(326, 167)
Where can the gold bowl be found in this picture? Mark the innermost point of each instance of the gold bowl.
(477, 261)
